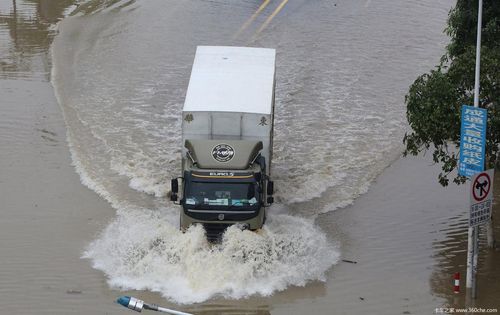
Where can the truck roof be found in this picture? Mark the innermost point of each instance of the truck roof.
(231, 79)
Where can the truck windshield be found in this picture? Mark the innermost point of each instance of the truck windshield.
(221, 194)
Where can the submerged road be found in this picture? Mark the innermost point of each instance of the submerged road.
(120, 76)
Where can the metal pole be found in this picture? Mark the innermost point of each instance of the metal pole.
(478, 53)
(490, 238)
(473, 232)
(476, 104)
(474, 270)
(470, 257)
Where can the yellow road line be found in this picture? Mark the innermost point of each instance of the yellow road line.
(270, 18)
(251, 19)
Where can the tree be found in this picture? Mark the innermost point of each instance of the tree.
(434, 100)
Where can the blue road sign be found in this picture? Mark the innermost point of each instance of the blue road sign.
(472, 140)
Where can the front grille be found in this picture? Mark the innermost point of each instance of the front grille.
(214, 216)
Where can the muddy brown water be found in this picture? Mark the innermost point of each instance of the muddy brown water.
(401, 242)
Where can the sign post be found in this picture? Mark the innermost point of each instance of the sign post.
(481, 202)
(472, 148)
(471, 162)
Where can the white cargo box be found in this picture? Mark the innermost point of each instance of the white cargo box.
(231, 96)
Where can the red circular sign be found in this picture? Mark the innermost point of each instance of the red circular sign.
(481, 187)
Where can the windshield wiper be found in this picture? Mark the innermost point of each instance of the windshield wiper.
(197, 206)
(240, 202)
(234, 204)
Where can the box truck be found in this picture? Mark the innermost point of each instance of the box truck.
(227, 136)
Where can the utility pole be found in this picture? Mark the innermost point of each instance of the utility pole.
(473, 233)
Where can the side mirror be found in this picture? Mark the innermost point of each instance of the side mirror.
(270, 187)
(270, 199)
(175, 186)
(173, 197)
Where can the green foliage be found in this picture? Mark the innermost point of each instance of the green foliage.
(434, 100)
(462, 25)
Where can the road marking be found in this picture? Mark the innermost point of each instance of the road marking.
(251, 19)
(269, 19)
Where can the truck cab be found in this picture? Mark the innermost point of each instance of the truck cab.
(227, 136)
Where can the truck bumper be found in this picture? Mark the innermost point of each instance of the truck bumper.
(253, 223)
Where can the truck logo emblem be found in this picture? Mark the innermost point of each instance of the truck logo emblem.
(189, 118)
(221, 216)
(223, 152)
(263, 121)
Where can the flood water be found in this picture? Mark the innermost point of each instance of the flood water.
(95, 103)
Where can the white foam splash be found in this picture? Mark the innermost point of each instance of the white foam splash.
(144, 250)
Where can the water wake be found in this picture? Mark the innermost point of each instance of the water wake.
(120, 72)
(144, 250)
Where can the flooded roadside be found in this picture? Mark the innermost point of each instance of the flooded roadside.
(407, 235)
(47, 215)
(451, 256)
(27, 29)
